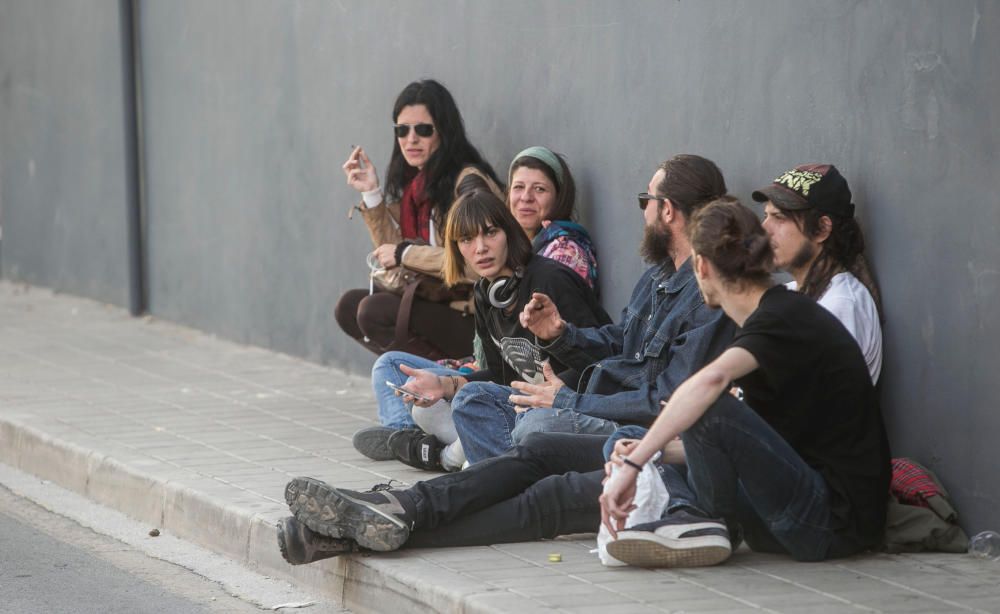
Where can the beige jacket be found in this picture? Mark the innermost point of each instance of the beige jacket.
(383, 226)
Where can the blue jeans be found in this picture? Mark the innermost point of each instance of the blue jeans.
(742, 470)
(392, 411)
(488, 424)
(625, 432)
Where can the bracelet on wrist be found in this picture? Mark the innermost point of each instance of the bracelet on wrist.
(400, 248)
(454, 388)
(632, 464)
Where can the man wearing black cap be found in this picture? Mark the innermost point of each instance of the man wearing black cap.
(809, 218)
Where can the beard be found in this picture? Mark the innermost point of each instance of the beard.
(803, 257)
(657, 244)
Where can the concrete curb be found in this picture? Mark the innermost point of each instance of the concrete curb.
(362, 584)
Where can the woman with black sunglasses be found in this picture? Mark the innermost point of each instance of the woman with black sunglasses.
(406, 224)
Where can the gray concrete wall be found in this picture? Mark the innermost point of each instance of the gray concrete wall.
(62, 180)
(252, 107)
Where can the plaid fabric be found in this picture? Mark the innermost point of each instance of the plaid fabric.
(911, 484)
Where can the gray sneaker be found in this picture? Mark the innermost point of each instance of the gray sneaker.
(299, 545)
(373, 442)
(376, 519)
(679, 540)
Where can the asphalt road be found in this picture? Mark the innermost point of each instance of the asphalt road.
(50, 564)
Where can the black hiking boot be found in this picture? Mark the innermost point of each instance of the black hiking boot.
(378, 519)
(299, 545)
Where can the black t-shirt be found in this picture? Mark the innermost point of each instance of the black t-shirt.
(511, 351)
(814, 389)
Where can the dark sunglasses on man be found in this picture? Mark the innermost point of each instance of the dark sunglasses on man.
(645, 197)
(422, 130)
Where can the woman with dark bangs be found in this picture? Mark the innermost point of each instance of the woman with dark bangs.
(482, 239)
(406, 222)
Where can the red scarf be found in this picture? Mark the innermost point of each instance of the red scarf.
(415, 211)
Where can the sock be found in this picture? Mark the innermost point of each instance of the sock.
(436, 420)
(453, 456)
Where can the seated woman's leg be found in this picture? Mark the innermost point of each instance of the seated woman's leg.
(549, 420)
(376, 318)
(449, 331)
(484, 419)
(346, 314)
(742, 470)
(392, 411)
(394, 415)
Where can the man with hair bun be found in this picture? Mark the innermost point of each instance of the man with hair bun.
(799, 466)
(809, 217)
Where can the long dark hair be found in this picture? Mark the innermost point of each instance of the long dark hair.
(690, 181)
(843, 250)
(453, 153)
(471, 214)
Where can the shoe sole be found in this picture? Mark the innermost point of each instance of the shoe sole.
(644, 549)
(330, 512)
(374, 443)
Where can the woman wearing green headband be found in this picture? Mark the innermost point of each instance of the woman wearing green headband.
(541, 198)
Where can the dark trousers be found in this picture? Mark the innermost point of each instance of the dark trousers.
(436, 330)
(740, 469)
(545, 487)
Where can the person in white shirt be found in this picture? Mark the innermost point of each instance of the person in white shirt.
(809, 217)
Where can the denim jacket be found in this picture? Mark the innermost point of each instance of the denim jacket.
(665, 335)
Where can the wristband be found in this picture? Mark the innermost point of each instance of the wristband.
(400, 248)
(632, 464)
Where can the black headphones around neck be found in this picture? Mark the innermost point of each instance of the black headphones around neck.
(502, 292)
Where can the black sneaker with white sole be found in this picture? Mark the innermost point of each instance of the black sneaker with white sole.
(416, 449)
(299, 545)
(679, 540)
(378, 519)
(373, 442)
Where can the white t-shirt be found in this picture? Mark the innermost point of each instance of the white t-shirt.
(848, 299)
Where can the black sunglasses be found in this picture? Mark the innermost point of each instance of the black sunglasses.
(645, 197)
(422, 130)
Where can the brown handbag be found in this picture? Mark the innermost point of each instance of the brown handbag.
(399, 279)
(409, 284)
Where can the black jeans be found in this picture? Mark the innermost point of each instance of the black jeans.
(545, 487)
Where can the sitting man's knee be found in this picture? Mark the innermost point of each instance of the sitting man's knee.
(533, 422)
(726, 406)
(470, 392)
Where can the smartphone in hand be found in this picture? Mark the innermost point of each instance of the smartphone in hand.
(402, 390)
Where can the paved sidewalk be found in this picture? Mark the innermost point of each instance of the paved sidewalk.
(198, 437)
